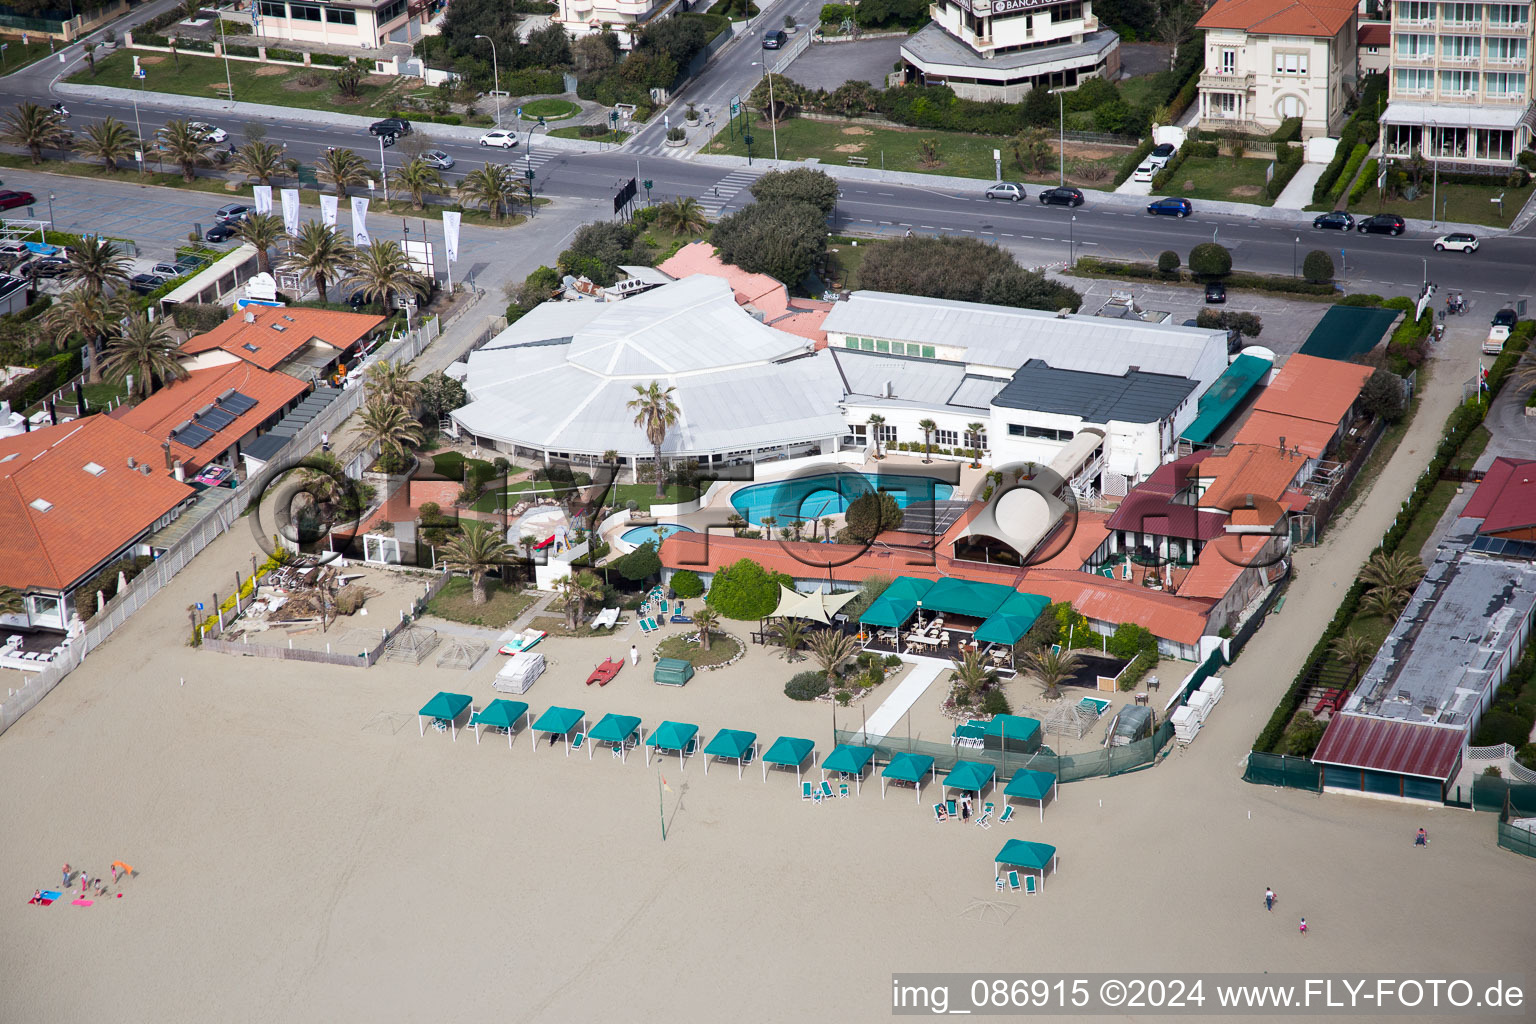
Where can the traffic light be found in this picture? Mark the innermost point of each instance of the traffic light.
(528, 174)
(648, 184)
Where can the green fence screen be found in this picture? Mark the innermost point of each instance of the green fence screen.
(1519, 838)
(1280, 770)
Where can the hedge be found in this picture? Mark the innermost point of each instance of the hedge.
(806, 685)
(276, 53)
(1133, 160)
(1356, 158)
(1361, 123)
(1184, 97)
(535, 82)
(1189, 149)
(1236, 279)
(50, 375)
(1288, 160)
(240, 50)
(1289, 131)
(1366, 180)
(334, 60)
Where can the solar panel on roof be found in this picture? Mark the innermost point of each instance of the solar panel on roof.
(237, 403)
(215, 419)
(192, 435)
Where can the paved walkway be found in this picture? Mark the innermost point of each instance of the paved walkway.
(924, 672)
(1297, 194)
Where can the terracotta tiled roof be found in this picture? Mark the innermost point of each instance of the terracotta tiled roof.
(1280, 17)
(1247, 469)
(1384, 745)
(1091, 530)
(1506, 498)
(1180, 619)
(1374, 34)
(1267, 428)
(68, 499)
(259, 340)
(1151, 512)
(1314, 388)
(800, 317)
(1220, 565)
(163, 411)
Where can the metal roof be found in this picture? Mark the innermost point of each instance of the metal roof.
(1401, 748)
(1224, 396)
(935, 50)
(1133, 397)
(1461, 115)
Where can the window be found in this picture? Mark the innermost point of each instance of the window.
(1458, 82)
(1508, 15)
(1461, 14)
(1047, 433)
(304, 12)
(1016, 430)
(1290, 63)
(1223, 104)
(946, 438)
(390, 12)
(1290, 106)
(337, 16)
(976, 440)
(1415, 10)
(857, 430)
(1414, 79)
(887, 433)
(1415, 46)
(1228, 61)
(1504, 84)
(273, 10)
(1466, 49)
(1503, 50)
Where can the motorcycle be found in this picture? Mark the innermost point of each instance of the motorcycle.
(61, 110)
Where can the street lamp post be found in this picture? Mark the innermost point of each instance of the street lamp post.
(773, 122)
(495, 77)
(1434, 162)
(228, 81)
(1294, 249)
(384, 168)
(1061, 138)
(1072, 241)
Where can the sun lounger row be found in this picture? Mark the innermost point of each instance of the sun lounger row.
(1012, 883)
(817, 793)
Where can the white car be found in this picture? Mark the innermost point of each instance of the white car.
(1459, 240)
(1144, 173)
(208, 131)
(497, 137)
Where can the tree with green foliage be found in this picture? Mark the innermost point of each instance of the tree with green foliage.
(418, 179)
(259, 161)
(801, 185)
(1303, 735)
(830, 648)
(380, 271)
(791, 634)
(342, 169)
(687, 584)
(682, 216)
(1317, 268)
(1354, 651)
(746, 590)
(656, 413)
(705, 620)
(475, 552)
(578, 588)
(1382, 395)
(392, 428)
(641, 563)
(1032, 150)
(95, 263)
(146, 350)
(782, 240)
(973, 670)
(1168, 263)
(440, 394)
(962, 269)
(870, 515)
(187, 147)
(109, 141)
(779, 102)
(1208, 259)
(35, 128)
(321, 254)
(600, 248)
(680, 39)
(496, 187)
(1050, 668)
(261, 231)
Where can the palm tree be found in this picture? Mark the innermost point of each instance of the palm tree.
(97, 262)
(418, 178)
(791, 634)
(381, 270)
(321, 254)
(1383, 603)
(109, 142)
(927, 427)
(579, 588)
(1523, 376)
(319, 475)
(186, 147)
(682, 216)
(975, 430)
(876, 421)
(262, 230)
(391, 382)
(343, 169)
(706, 618)
(392, 427)
(35, 128)
(826, 526)
(474, 552)
(831, 648)
(12, 601)
(495, 187)
(259, 161)
(973, 671)
(145, 349)
(655, 412)
(88, 314)
(1353, 651)
(737, 522)
(1050, 667)
(1399, 571)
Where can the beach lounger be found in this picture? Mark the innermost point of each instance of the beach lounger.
(1029, 885)
(1001, 885)
(842, 791)
(949, 805)
(805, 791)
(576, 740)
(985, 819)
(1013, 881)
(1007, 814)
(826, 789)
(939, 814)
(687, 619)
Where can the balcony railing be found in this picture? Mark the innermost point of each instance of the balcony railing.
(1501, 29)
(1462, 60)
(1414, 59)
(1458, 94)
(1513, 63)
(1416, 22)
(1226, 80)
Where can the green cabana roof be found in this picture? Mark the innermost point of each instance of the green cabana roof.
(897, 602)
(789, 750)
(908, 767)
(1014, 727)
(1224, 395)
(730, 743)
(502, 714)
(1346, 331)
(1030, 785)
(1012, 619)
(966, 597)
(614, 728)
(672, 735)
(559, 720)
(1024, 854)
(971, 775)
(848, 758)
(445, 705)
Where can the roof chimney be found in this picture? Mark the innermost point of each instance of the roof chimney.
(179, 472)
(133, 463)
(170, 463)
(1063, 312)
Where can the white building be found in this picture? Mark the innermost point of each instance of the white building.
(1001, 49)
(1268, 60)
(585, 17)
(368, 24)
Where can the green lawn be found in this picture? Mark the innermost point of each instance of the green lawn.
(644, 494)
(1221, 178)
(1137, 92)
(573, 131)
(1424, 523)
(1472, 448)
(16, 56)
(98, 395)
(843, 261)
(722, 648)
(1459, 204)
(549, 109)
(896, 149)
(276, 84)
(503, 604)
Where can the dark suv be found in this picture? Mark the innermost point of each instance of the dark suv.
(1382, 224)
(1506, 318)
(1062, 195)
(390, 126)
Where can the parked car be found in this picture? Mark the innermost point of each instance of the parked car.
(1216, 294)
(221, 232)
(775, 40)
(1337, 220)
(1172, 207)
(1506, 318)
(233, 212)
(1062, 195)
(10, 199)
(1006, 190)
(1382, 224)
(143, 284)
(390, 126)
(1462, 241)
(1160, 155)
(499, 137)
(47, 266)
(1146, 172)
(12, 254)
(438, 159)
(172, 268)
(208, 131)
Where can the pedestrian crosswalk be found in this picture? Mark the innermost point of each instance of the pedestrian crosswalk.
(726, 189)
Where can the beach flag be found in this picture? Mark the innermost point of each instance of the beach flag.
(664, 784)
(1482, 376)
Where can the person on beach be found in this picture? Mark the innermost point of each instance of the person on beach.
(1422, 839)
(1269, 898)
(1303, 926)
(965, 808)
(114, 872)
(65, 884)
(85, 880)
(634, 655)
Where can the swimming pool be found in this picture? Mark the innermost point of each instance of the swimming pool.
(652, 534)
(828, 494)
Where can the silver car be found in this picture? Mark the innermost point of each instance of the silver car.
(438, 159)
(1006, 190)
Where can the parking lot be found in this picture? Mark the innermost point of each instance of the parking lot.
(829, 65)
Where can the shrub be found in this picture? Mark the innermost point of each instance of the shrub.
(686, 583)
(1368, 176)
(836, 14)
(1168, 262)
(1382, 395)
(1209, 259)
(1288, 160)
(1360, 299)
(676, 135)
(1502, 726)
(1526, 755)
(745, 590)
(1289, 131)
(801, 185)
(1247, 324)
(1356, 158)
(641, 563)
(1317, 267)
(892, 661)
(995, 702)
(281, 54)
(806, 685)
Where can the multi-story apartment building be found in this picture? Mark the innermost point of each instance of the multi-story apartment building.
(1268, 60)
(1460, 87)
(368, 24)
(1001, 49)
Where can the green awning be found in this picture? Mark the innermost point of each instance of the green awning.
(897, 603)
(1014, 727)
(789, 750)
(672, 735)
(1024, 854)
(1346, 331)
(969, 775)
(447, 706)
(1012, 619)
(614, 728)
(1030, 785)
(908, 767)
(970, 731)
(965, 597)
(559, 720)
(501, 714)
(848, 758)
(1224, 395)
(730, 743)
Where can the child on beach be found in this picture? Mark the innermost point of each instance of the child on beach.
(65, 884)
(1422, 839)
(1303, 926)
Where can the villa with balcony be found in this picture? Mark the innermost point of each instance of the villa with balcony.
(624, 17)
(1001, 49)
(1460, 86)
(1269, 60)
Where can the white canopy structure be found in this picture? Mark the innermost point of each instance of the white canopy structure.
(817, 606)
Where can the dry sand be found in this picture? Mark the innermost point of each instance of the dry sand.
(305, 855)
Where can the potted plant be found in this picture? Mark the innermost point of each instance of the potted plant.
(691, 116)
(676, 137)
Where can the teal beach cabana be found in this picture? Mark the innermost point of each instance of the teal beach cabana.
(678, 736)
(560, 722)
(731, 743)
(1020, 853)
(848, 759)
(969, 776)
(905, 767)
(789, 752)
(445, 707)
(499, 714)
(622, 731)
(1032, 785)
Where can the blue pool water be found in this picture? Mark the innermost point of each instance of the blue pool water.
(652, 534)
(812, 497)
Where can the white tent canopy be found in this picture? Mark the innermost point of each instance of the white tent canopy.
(817, 606)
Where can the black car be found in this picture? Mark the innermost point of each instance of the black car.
(145, 283)
(10, 200)
(1338, 220)
(1215, 293)
(1063, 195)
(1382, 224)
(221, 232)
(1167, 149)
(390, 126)
(1506, 318)
(775, 40)
(48, 266)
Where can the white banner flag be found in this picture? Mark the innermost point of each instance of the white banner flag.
(451, 234)
(263, 195)
(359, 221)
(328, 211)
(291, 210)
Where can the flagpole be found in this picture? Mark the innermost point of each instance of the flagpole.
(661, 806)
